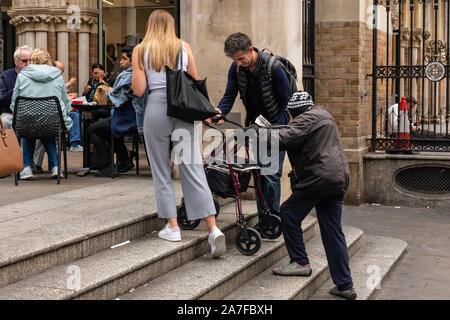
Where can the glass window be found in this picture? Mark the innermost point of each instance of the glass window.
(124, 23)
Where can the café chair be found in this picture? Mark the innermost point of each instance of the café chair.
(41, 118)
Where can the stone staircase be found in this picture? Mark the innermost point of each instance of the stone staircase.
(101, 243)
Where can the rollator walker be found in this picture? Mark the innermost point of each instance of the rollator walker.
(228, 180)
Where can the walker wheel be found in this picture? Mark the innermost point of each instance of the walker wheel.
(183, 221)
(248, 241)
(270, 226)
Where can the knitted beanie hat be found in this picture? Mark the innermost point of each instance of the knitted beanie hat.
(300, 102)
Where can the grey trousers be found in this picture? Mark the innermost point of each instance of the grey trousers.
(39, 152)
(159, 129)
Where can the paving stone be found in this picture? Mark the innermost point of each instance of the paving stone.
(437, 290)
(443, 263)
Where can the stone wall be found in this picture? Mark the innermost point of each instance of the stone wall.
(381, 186)
(270, 24)
(343, 61)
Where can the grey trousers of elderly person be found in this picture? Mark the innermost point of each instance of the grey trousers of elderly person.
(39, 152)
(159, 129)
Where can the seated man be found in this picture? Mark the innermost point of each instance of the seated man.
(22, 57)
(74, 133)
(122, 120)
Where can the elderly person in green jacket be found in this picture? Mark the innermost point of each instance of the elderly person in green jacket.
(41, 79)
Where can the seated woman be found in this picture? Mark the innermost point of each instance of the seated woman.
(122, 120)
(98, 78)
(41, 79)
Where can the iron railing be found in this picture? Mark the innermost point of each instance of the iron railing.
(308, 46)
(413, 63)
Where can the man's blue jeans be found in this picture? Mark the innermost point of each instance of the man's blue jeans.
(28, 150)
(74, 132)
(271, 187)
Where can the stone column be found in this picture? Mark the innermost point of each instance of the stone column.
(131, 24)
(62, 54)
(21, 39)
(41, 39)
(30, 39)
(83, 60)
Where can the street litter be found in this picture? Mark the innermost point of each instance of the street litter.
(120, 244)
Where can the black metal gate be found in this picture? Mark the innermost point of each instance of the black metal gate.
(308, 46)
(411, 79)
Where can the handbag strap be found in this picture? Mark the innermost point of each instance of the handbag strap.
(180, 57)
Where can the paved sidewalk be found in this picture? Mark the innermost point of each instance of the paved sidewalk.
(423, 273)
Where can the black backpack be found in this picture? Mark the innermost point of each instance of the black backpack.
(287, 66)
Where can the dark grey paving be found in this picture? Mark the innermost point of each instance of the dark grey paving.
(424, 271)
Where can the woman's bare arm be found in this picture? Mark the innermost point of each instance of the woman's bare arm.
(191, 68)
(138, 78)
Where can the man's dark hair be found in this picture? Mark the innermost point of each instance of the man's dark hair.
(98, 65)
(411, 100)
(128, 50)
(235, 43)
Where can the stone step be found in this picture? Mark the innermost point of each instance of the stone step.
(206, 278)
(370, 266)
(112, 272)
(38, 234)
(41, 233)
(268, 286)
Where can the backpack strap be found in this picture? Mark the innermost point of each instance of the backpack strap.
(270, 66)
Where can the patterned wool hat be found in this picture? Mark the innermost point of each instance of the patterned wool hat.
(300, 102)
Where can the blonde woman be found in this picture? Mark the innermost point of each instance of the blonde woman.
(159, 48)
(41, 79)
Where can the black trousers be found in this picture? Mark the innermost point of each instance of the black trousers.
(99, 134)
(329, 212)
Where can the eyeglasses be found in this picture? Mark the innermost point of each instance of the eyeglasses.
(25, 60)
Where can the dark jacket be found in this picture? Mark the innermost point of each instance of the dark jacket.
(316, 154)
(249, 83)
(271, 104)
(9, 78)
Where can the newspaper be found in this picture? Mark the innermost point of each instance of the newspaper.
(262, 122)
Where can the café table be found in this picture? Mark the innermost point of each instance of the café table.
(86, 110)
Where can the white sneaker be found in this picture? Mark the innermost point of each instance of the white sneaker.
(170, 234)
(55, 173)
(217, 242)
(26, 173)
(78, 148)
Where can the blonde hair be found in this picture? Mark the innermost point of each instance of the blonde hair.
(41, 56)
(161, 41)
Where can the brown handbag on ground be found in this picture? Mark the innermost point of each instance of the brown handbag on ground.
(11, 159)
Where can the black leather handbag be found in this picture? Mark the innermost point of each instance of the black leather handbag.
(187, 98)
